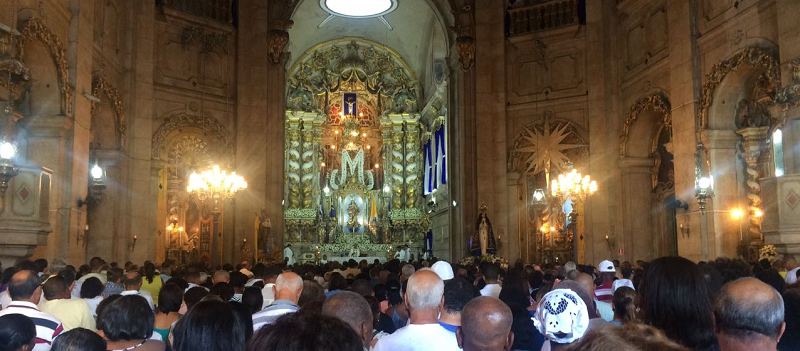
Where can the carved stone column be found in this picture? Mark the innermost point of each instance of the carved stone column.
(413, 168)
(753, 144)
(397, 161)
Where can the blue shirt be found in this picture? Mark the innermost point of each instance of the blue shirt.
(449, 327)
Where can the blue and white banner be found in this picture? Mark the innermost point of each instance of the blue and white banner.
(429, 168)
(440, 138)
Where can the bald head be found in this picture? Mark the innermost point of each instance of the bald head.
(425, 290)
(288, 286)
(587, 282)
(132, 281)
(749, 309)
(485, 325)
(352, 309)
(24, 286)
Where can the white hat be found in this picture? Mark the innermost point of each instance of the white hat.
(607, 267)
(443, 269)
(561, 316)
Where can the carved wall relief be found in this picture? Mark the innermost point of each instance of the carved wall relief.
(34, 29)
(208, 126)
(103, 88)
(656, 103)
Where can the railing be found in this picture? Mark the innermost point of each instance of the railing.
(218, 10)
(543, 16)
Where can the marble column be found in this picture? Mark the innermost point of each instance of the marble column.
(637, 230)
(723, 234)
(753, 145)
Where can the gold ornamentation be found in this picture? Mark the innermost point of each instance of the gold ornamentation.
(35, 29)
(656, 103)
(751, 56)
(463, 20)
(102, 86)
(753, 144)
(549, 145)
(790, 95)
(209, 126)
(276, 42)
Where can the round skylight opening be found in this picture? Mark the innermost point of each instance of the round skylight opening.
(358, 8)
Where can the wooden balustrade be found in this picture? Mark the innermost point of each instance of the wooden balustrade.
(218, 10)
(543, 16)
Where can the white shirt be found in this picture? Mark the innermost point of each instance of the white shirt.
(288, 253)
(492, 290)
(791, 276)
(93, 304)
(268, 295)
(146, 297)
(419, 337)
(605, 310)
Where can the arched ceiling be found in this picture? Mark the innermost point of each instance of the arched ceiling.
(417, 33)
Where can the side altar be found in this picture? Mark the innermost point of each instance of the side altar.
(353, 153)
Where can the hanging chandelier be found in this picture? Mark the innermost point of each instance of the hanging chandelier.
(215, 184)
(573, 185)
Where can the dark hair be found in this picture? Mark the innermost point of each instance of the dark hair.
(102, 307)
(54, 288)
(180, 282)
(96, 263)
(149, 272)
(79, 339)
(393, 293)
(772, 278)
(127, 318)
(791, 305)
(490, 271)
(675, 298)
(24, 289)
(312, 297)
(457, 293)
(114, 274)
(135, 279)
(194, 295)
(41, 264)
(170, 298)
(253, 299)
(68, 275)
(238, 280)
(624, 304)
(361, 287)
(16, 330)
(210, 326)
(8, 273)
(731, 268)
(223, 290)
(303, 331)
(337, 282)
(517, 299)
(91, 288)
(242, 312)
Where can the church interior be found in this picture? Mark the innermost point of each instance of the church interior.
(537, 130)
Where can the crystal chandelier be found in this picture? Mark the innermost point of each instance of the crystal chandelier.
(573, 185)
(215, 184)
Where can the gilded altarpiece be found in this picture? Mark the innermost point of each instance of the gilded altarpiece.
(353, 152)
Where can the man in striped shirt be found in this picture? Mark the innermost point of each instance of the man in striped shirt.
(287, 289)
(25, 293)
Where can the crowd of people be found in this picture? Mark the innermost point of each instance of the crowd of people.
(669, 303)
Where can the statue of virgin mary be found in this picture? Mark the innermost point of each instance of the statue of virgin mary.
(482, 242)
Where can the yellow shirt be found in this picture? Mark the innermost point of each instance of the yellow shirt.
(153, 288)
(73, 313)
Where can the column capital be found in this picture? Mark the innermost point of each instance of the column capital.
(636, 164)
(719, 139)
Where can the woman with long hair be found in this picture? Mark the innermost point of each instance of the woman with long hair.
(211, 325)
(624, 306)
(673, 297)
(152, 281)
(515, 295)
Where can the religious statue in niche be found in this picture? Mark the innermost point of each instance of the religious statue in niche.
(262, 228)
(353, 212)
(483, 242)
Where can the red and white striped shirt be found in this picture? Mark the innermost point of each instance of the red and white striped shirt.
(47, 326)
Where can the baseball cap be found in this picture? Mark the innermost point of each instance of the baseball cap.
(607, 267)
(443, 270)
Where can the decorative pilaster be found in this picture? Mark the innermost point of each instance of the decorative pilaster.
(293, 149)
(413, 168)
(754, 143)
(397, 163)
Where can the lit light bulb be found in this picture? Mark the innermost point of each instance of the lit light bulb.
(704, 183)
(737, 213)
(377, 166)
(354, 133)
(758, 213)
(96, 172)
(7, 150)
(322, 164)
(336, 132)
(386, 189)
(369, 147)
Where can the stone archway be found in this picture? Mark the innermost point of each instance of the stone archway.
(34, 29)
(645, 148)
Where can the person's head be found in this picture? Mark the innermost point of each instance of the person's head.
(170, 298)
(210, 326)
(457, 293)
(96, 264)
(424, 292)
(114, 275)
(79, 339)
(585, 296)
(772, 278)
(223, 290)
(253, 299)
(17, 333)
(191, 297)
(306, 331)
(443, 269)
(221, 276)
(629, 337)
(491, 272)
(91, 288)
(288, 286)
(674, 298)
(149, 271)
(238, 281)
(41, 265)
(789, 262)
(791, 301)
(749, 312)
(485, 325)
(192, 276)
(407, 270)
(132, 281)
(561, 316)
(393, 293)
(624, 304)
(352, 309)
(55, 288)
(361, 287)
(24, 286)
(337, 282)
(731, 268)
(126, 318)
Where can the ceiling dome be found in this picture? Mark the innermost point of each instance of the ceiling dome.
(358, 8)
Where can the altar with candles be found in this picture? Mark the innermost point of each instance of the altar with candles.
(353, 153)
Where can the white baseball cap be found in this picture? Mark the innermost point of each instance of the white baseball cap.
(607, 267)
(443, 269)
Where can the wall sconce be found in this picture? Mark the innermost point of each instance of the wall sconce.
(132, 244)
(610, 243)
(97, 183)
(704, 183)
(7, 168)
(684, 228)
